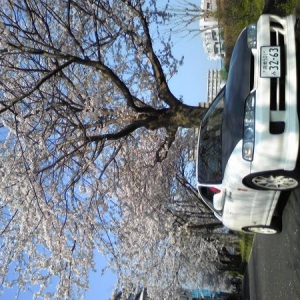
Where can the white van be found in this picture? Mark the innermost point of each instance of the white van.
(249, 137)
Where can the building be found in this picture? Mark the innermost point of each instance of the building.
(213, 44)
(214, 84)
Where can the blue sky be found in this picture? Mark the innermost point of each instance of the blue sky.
(190, 82)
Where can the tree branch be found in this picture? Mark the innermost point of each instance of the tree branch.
(163, 89)
(36, 87)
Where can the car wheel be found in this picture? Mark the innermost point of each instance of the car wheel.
(262, 229)
(274, 180)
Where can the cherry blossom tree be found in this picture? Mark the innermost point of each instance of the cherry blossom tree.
(92, 149)
(155, 241)
(186, 16)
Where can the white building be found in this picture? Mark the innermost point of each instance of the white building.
(210, 32)
(214, 84)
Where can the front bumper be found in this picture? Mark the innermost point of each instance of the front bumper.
(276, 117)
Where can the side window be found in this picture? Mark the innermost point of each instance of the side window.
(210, 143)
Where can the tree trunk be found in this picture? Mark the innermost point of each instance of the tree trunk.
(181, 115)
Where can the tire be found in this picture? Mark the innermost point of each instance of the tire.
(274, 180)
(261, 229)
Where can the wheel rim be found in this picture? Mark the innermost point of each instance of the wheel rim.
(264, 230)
(275, 182)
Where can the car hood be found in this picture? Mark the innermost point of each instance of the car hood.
(236, 91)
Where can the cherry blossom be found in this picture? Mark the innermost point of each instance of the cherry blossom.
(94, 151)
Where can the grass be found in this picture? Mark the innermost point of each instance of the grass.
(246, 245)
(288, 7)
(234, 15)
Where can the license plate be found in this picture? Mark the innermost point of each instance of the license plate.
(270, 62)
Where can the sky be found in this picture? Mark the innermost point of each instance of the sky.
(191, 79)
(191, 84)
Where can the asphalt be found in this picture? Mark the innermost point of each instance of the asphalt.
(273, 271)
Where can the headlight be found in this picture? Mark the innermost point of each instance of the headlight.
(252, 36)
(249, 117)
(248, 149)
(249, 130)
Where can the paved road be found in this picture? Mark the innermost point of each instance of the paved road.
(274, 266)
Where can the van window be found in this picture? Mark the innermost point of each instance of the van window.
(210, 144)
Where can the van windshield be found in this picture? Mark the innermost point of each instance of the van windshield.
(210, 143)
